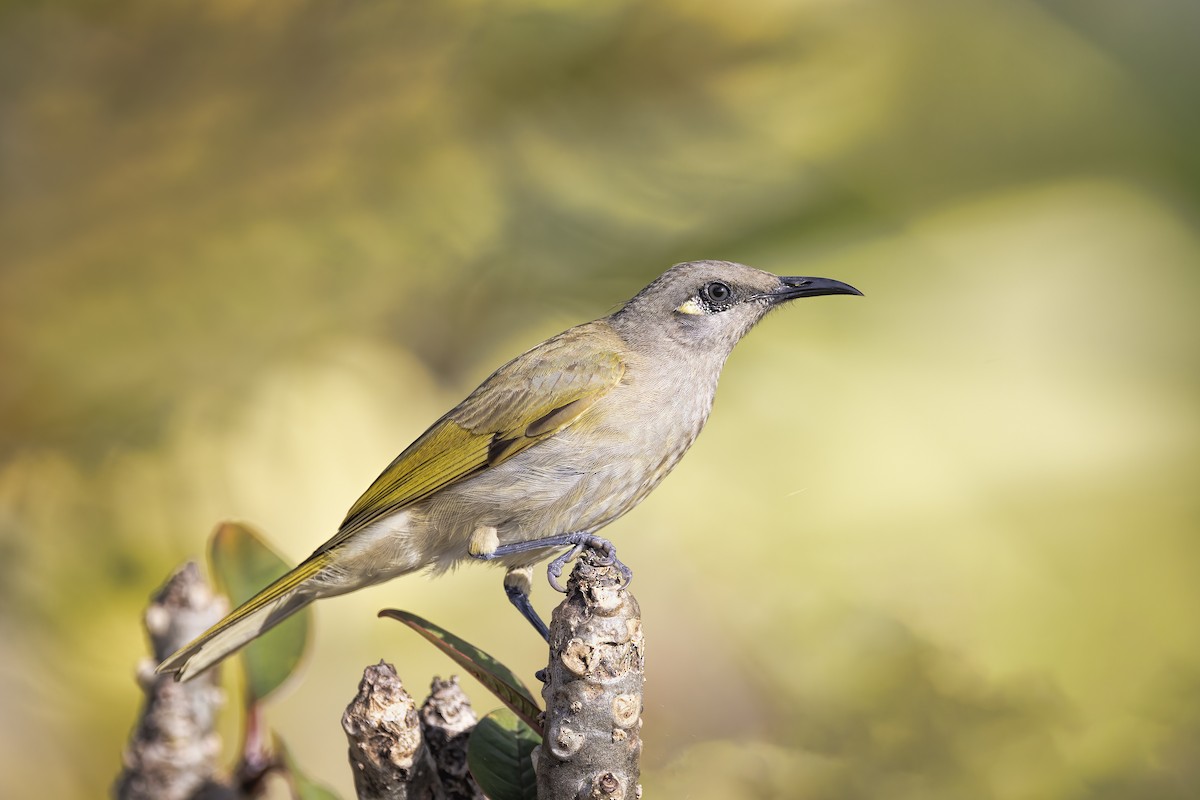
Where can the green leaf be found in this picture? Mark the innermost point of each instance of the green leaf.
(303, 787)
(499, 754)
(496, 678)
(243, 565)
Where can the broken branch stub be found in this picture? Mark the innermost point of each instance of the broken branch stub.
(387, 752)
(174, 749)
(593, 689)
(447, 720)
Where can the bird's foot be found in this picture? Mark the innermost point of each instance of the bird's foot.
(578, 542)
(597, 544)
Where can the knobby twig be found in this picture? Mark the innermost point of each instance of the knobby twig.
(172, 753)
(447, 720)
(593, 695)
(593, 689)
(387, 751)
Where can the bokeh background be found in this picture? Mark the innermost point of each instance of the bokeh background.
(937, 542)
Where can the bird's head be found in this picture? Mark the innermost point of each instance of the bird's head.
(713, 304)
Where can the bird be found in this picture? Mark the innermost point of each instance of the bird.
(556, 444)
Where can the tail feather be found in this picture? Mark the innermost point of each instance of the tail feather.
(245, 623)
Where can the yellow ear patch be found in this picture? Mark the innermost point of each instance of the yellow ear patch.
(691, 307)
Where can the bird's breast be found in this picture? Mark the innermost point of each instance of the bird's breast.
(636, 438)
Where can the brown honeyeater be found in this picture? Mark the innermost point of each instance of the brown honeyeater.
(553, 446)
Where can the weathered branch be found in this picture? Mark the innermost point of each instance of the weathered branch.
(593, 689)
(593, 697)
(172, 753)
(387, 751)
(447, 720)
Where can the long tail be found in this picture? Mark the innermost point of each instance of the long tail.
(265, 610)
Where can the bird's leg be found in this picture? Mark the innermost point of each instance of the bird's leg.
(576, 541)
(518, 585)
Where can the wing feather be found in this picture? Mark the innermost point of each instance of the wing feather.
(529, 399)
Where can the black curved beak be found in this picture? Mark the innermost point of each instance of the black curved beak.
(793, 287)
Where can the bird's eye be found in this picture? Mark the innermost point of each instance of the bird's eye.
(717, 293)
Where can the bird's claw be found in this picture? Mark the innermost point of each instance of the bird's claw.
(554, 568)
(597, 544)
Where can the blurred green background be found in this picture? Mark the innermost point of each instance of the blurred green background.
(937, 542)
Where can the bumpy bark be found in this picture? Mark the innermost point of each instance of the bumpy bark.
(172, 753)
(447, 720)
(387, 751)
(593, 689)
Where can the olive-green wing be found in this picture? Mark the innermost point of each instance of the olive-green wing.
(527, 400)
